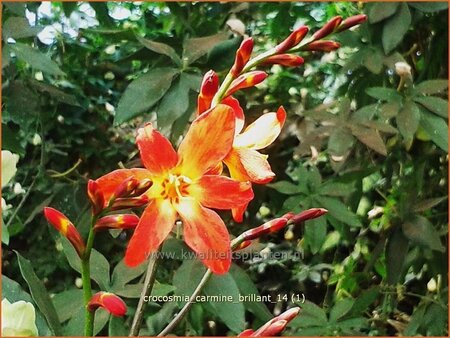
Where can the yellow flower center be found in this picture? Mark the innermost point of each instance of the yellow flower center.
(174, 187)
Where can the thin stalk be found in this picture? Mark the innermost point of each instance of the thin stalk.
(180, 315)
(148, 286)
(86, 278)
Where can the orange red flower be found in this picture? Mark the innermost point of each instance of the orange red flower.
(182, 188)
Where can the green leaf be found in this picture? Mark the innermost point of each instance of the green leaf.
(5, 234)
(330, 188)
(364, 300)
(187, 277)
(434, 104)
(315, 233)
(395, 28)
(247, 288)
(232, 313)
(396, 251)
(102, 13)
(55, 93)
(370, 138)
(36, 59)
(338, 210)
(196, 47)
(340, 141)
(17, 28)
(436, 128)
(428, 203)
(39, 294)
(174, 104)
(340, 309)
(143, 93)
(98, 263)
(122, 274)
(384, 94)
(13, 292)
(156, 322)
(222, 55)
(390, 109)
(432, 87)
(373, 61)
(420, 230)
(286, 187)
(310, 315)
(117, 327)
(382, 10)
(75, 326)
(160, 48)
(408, 120)
(429, 7)
(68, 303)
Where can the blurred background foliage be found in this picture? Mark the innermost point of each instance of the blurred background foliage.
(363, 139)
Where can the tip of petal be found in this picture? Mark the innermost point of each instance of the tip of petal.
(281, 115)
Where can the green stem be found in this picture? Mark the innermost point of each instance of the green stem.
(86, 278)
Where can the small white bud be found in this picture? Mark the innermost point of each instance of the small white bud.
(36, 140)
(402, 69)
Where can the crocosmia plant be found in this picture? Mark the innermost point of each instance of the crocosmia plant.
(191, 191)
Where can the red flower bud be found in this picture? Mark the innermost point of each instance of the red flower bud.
(274, 326)
(61, 223)
(322, 46)
(126, 221)
(242, 56)
(352, 21)
(288, 215)
(288, 60)
(142, 187)
(208, 89)
(96, 197)
(268, 227)
(292, 40)
(308, 214)
(246, 80)
(130, 202)
(125, 188)
(328, 28)
(109, 301)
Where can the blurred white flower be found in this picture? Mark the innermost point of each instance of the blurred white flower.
(36, 140)
(9, 163)
(18, 189)
(402, 69)
(18, 319)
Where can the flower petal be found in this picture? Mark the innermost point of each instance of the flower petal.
(238, 212)
(206, 234)
(263, 131)
(109, 182)
(220, 192)
(157, 154)
(238, 112)
(249, 165)
(207, 142)
(154, 226)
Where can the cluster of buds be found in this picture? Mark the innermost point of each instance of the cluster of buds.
(109, 301)
(276, 224)
(128, 194)
(274, 326)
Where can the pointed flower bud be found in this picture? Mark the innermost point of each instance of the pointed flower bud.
(352, 21)
(274, 326)
(130, 202)
(322, 46)
(208, 89)
(61, 223)
(243, 245)
(142, 187)
(109, 301)
(125, 188)
(288, 215)
(307, 214)
(328, 28)
(288, 60)
(126, 221)
(271, 226)
(246, 80)
(96, 197)
(242, 56)
(292, 40)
